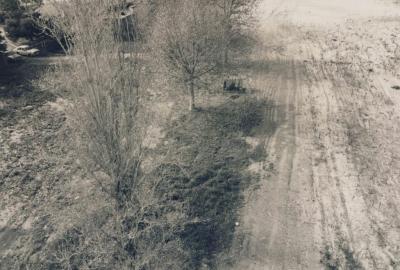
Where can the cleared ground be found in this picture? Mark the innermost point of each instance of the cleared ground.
(328, 196)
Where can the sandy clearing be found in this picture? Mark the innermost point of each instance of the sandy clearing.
(329, 189)
(324, 13)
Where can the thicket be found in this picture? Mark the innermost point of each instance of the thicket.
(178, 214)
(21, 25)
(18, 18)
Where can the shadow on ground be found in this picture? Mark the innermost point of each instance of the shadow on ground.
(18, 92)
(208, 172)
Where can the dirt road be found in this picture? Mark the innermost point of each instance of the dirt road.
(329, 194)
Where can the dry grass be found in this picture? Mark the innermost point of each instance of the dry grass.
(205, 174)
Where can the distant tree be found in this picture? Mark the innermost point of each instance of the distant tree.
(9, 6)
(236, 17)
(16, 6)
(188, 42)
(17, 15)
(21, 26)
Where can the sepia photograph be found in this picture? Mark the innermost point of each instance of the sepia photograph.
(199, 134)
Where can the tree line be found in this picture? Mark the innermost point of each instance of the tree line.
(117, 49)
(18, 18)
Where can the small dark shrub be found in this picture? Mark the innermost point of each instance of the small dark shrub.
(21, 27)
(3, 46)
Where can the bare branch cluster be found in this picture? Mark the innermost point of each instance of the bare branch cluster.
(104, 79)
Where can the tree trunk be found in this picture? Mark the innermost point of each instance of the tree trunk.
(191, 92)
(226, 55)
(226, 39)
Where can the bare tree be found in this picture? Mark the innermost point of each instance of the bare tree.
(103, 78)
(236, 17)
(188, 41)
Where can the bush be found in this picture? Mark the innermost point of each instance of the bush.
(9, 6)
(18, 27)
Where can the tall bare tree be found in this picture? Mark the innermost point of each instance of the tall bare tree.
(104, 79)
(187, 38)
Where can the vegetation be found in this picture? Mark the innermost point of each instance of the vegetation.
(179, 212)
(206, 173)
(192, 38)
(9, 6)
(18, 18)
(21, 26)
(106, 87)
(236, 20)
(187, 39)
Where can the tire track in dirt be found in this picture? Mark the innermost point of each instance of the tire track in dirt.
(311, 210)
(277, 227)
(341, 237)
(356, 244)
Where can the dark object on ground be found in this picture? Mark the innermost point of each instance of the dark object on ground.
(47, 45)
(396, 87)
(3, 45)
(370, 70)
(22, 26)
(3, 59)
(234, 85)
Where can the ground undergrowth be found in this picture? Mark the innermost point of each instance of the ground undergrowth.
(206, 172)
(186, 208)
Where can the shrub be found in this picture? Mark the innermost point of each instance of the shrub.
(21, 27)
(2, 17)
(187, 43)
(9, 6)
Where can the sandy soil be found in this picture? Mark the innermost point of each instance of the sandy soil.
(41, 185)
(328, 197)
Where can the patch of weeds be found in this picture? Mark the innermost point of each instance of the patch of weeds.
(259, 153)
(344, 260)
(351, 260)
(329, 260)
(18, 91)
(210, 158)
